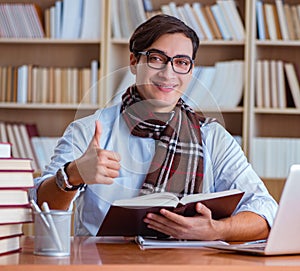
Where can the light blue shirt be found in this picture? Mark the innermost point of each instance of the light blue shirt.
(225, 167)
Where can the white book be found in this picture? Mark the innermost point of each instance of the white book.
(3, 134)
(125, 19)
(5, 148)
(270, 20)
(259, 84)
(137, 13)
(165, 9)
(193, 21)
(39, 152)
(71, 19)
(115, 19)
(94, 82)
(281, 84)
(282, 20)
(293, 83)
(174, 10)
(27, 145)
(221, 22)
(91, 19)
(228, 18)
(260, 20)
(197, 8)
(266, 83)
(273, 86)
(22, 84)
(19, 141)
(239, 26)
(12, 140)
(58, 18)
(52, 22)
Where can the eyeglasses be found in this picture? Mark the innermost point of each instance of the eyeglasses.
(158, 60)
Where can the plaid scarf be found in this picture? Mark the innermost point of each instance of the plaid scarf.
(177, 165)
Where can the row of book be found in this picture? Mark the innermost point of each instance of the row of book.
(278, 20)
(218, 86)
(272, 157)
(34, 84)
(277, 84)
(67, 19)
(26, 143)
(16, 177)
(221, 20)
(73, 19)
(21, 21)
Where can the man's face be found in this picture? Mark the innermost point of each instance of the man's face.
(162, 88)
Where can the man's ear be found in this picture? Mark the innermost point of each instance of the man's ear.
(133, 63)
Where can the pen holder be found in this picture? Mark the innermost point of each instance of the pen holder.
(52, 233)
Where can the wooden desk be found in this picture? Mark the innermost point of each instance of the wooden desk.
(89, 253)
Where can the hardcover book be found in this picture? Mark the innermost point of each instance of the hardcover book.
(125, 217)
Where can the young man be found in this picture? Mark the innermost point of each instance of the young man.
(151, 142)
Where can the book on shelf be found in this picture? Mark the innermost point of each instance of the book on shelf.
(296, 21)
(27, 24)
(159, 243)
(196, 6)
(220, 20)
(293, 83)
(282, 19)
(281, 85)
(288, 15)
(91, 20)
(5, 149)
(71, 19)
(270, 20)
(261, 35)
(125, 217)
(7, 230)
(9, 244)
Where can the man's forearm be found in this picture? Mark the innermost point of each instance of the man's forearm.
(56, 198)
(243, 226)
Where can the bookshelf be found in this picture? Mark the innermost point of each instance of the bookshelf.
(49, 52)
(210, 52)
(271, 121)
(245, 120)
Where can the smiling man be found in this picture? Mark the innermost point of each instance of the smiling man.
(151, 142)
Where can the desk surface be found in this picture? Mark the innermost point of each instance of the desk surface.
(91, 253)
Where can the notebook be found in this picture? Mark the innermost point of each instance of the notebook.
(284, 235)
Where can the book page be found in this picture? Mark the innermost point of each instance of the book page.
(206, 196)
(155, 199)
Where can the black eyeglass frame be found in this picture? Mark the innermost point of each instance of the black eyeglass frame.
(168, 59)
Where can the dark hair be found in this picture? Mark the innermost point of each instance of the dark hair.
(158, 25)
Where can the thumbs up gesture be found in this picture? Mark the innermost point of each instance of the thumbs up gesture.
(96, 165)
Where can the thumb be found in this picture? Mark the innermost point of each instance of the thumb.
(203, 210)
(97, 134)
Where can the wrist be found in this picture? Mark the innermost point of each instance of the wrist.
(63, 180)
(73, 176)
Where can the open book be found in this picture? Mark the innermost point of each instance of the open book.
(125, 217)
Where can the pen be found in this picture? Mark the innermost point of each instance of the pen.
(256, 242)
(53, 231)
(39, 211)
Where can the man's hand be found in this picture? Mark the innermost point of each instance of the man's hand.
(200, 227)
(96, 165)
(243, 226)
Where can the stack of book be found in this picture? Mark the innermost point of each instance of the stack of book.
(16, 177)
